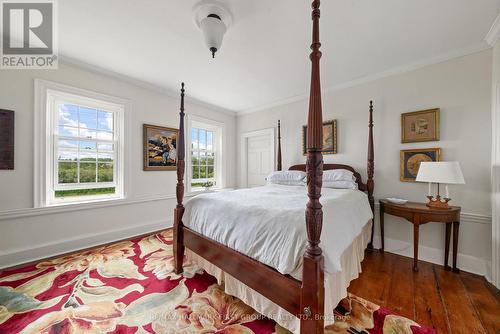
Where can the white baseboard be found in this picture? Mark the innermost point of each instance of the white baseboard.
(434, 255)
(18, 256)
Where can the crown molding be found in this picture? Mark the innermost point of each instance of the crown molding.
(492, 36)
(140, 83)
(376, 76)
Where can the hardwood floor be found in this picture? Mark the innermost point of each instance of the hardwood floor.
(450, 302)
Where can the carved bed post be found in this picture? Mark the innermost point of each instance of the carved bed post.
(179, 209)
(371, 170)
(313, 291)
(279, 166)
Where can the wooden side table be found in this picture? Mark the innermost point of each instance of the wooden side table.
(419, 214)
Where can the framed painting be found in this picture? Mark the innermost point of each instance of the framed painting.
(420, 126)
(411, 159)
(329, 138)
(6, 139)
(160, 148)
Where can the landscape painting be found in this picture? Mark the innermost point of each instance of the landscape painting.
(420, 126)
(411, 160)
(160, 148)
(329, 138)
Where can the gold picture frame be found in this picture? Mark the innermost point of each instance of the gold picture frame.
(420, 126)
(410, 161)
(329, 138)
(160, 148)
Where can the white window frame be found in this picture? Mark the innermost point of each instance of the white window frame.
(219, 142)
(48, 95)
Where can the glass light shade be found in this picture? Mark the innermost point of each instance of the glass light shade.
(213, 32)
(447, 172)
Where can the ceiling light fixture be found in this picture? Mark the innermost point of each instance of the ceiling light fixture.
(213, 19)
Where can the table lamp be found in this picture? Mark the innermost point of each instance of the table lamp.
(442, 172)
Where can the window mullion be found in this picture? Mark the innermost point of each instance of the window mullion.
(78, 166)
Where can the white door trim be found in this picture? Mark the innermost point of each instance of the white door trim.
(495, 187)
(244, 152)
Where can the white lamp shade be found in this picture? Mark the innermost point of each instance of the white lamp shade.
(213, 31)
(447, 172)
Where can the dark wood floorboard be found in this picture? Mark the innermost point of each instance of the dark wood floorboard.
(447, 301)
(376, 279)
(461, 312)
(429, 308)
(401, 300)
(487, 306)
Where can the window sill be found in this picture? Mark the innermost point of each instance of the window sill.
(90, 200)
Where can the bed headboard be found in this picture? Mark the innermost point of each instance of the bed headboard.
(361, 185)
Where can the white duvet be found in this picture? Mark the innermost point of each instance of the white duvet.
(268, 223)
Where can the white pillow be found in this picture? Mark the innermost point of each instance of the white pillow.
(338, 175)
(340, 184)
(288, 178)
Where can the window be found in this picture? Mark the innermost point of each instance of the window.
(83, 148)
(203, 157)
(204, 164)
(84, 151)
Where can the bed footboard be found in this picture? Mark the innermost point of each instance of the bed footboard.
(282, 290)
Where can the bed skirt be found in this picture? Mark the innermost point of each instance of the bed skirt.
(335, 283)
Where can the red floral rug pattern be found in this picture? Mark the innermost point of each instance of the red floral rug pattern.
(130, 287)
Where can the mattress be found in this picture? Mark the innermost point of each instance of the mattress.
(268, 223)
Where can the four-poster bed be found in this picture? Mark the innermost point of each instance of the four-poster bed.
(301, 295)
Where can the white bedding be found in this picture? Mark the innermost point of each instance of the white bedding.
(268, 223)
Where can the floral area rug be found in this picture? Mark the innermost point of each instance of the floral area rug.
(130, 287)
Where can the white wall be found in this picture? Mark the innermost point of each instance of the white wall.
(27, 233)
(462, 89)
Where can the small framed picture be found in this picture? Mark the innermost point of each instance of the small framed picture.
(420, 126)
(411, 159)
(329, 138)
(160, 148)
(6, 139)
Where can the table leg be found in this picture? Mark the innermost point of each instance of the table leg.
(447, 236)
(415, 246)
(456, 226)
(382, 228)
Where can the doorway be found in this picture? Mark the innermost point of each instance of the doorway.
(257, 157)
